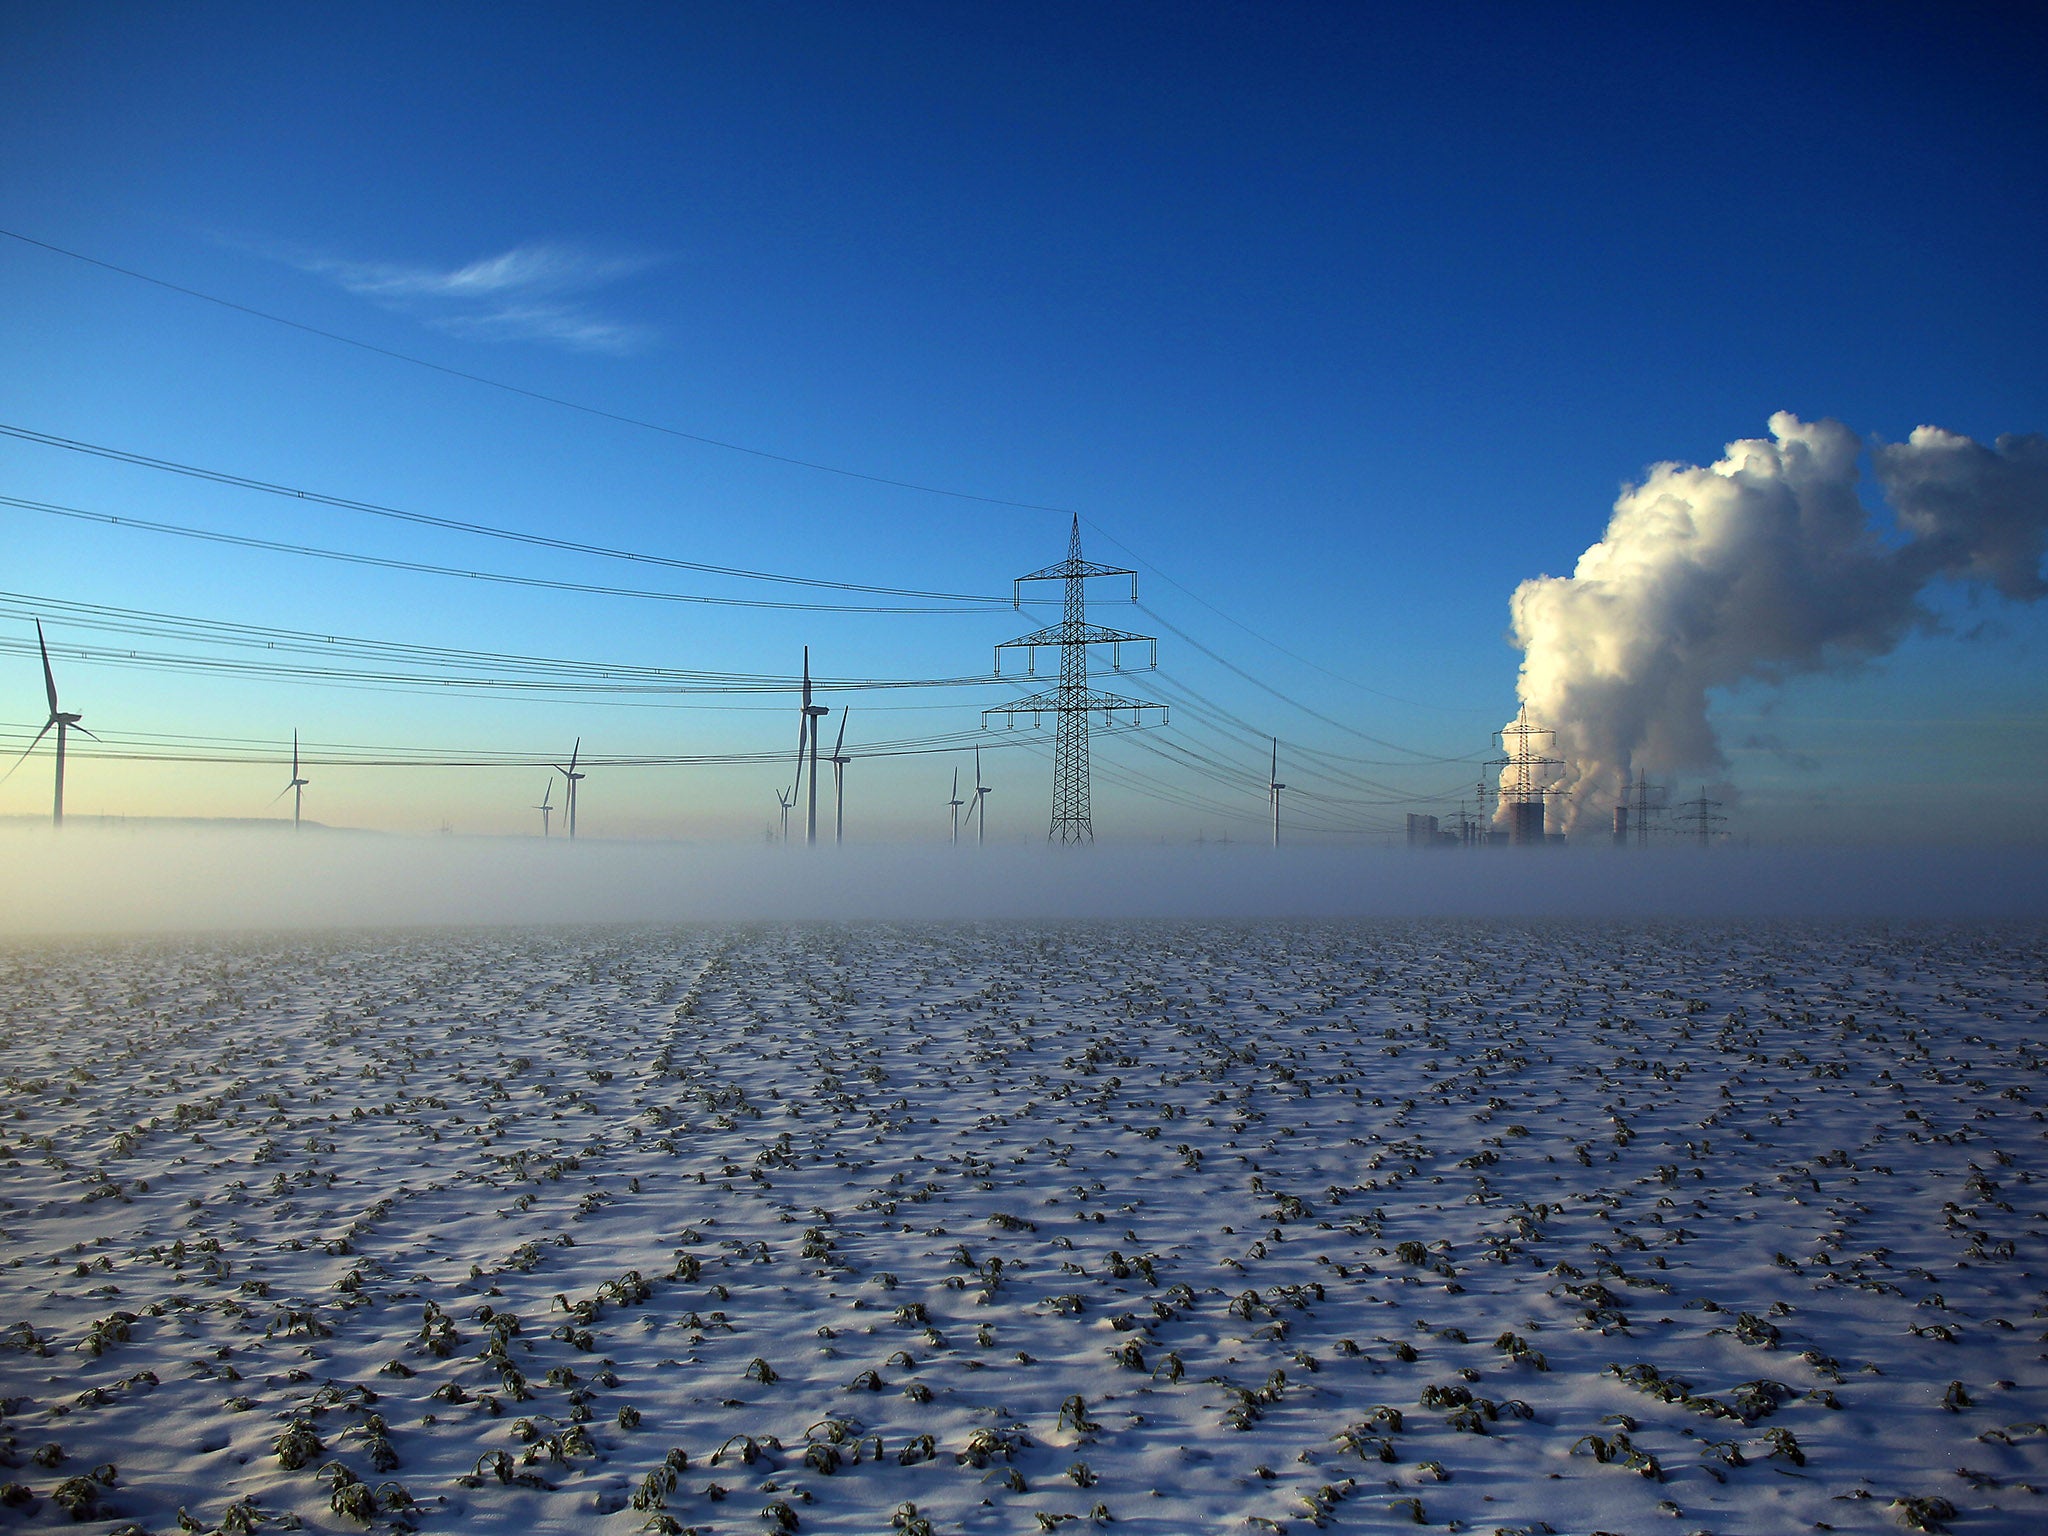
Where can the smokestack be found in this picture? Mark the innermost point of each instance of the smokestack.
(1761, 566)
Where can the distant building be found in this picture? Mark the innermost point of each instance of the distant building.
(1525, 823)
(1428, 832)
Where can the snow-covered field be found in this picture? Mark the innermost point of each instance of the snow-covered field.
(1013, 1228)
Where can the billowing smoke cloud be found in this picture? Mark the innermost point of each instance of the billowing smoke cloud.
(1761, 566)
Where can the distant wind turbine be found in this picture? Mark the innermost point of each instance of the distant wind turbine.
(1273, 788)
(546, 809)
(569, 794)
(807, 736)
(297, 788)
(839, 760)
(63, 724)
(981, 793)
(956, 802)
(786, 799)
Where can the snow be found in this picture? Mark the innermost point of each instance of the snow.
(1180, 1226)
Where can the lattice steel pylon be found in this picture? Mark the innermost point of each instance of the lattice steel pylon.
(1073, 701)
(1524, 777)
(1698, 818)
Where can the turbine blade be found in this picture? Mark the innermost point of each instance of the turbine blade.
(49, 677)
(80, 729)
(842, 733)
(574, 752)
(295, 753)
(282, 793)
(4, 777)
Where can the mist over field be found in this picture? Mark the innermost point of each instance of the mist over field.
(156, 879)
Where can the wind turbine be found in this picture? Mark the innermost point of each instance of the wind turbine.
(956, 802)
(297, 788)
(547, 811)
(839, 761)
(807, 735)
(569, 794)
(981, 792)
(786, 800)
(1273, 788)
(64, 723)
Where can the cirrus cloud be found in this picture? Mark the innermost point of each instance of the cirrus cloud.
(534, 292)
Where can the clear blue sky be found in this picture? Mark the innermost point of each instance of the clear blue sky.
(1336, 321)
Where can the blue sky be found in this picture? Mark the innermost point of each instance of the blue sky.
(1336, 322)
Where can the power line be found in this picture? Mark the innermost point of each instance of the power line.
(534, 394)
(1256, 682)
(713, 442)
(623, 419)
(386, 562)
(142, 746)
(137, 621)
(481, 530)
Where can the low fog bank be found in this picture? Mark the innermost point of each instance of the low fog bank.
(89, 880)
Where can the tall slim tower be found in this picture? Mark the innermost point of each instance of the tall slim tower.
(1700, 819)
(1525, 779)
(1073, 701)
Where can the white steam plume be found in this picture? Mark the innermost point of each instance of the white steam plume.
(1761, 566)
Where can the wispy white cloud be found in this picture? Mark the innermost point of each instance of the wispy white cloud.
(529, 293)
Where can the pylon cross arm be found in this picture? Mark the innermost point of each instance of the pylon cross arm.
(1077, 634)
(1073, 701)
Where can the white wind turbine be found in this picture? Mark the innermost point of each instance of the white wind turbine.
(981, 792)
(569, 794)
(62, 722)
(546, 808)
(807, 737)
(839, 760)
(956, 802)
(786, 799)
(297, 788)
(1273, 788)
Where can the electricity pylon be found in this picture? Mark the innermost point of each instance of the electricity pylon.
(1697, 818)
(1647, 801)
(1073, 701)
(1524, 776)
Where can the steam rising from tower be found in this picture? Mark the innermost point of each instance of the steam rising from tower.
(1761, 566)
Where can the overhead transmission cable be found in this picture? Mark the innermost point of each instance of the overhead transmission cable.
(481, 530)
(815, 465)
(708, 441)
(533, 394)
(150, 747)
(387, 562)
(133, 621)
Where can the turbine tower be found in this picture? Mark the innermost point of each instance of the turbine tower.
(1273, 788)
(839, 761)
(807, 737)
(956, 802)
(297, 788)
(546, 808)
(569, 794)
(62, 722)
(981, 792)
(1072, 702)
